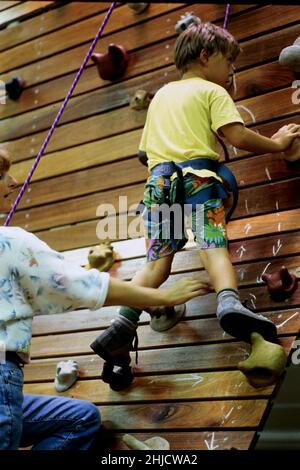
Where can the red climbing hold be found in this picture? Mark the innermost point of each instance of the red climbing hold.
(281, 284)
(111, 65)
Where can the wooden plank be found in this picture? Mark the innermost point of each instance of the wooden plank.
(218, 440)
(249, 83)
(81, 32)
(267, 46)
(262, 247)
(267, 129)
(69, 135)
(153, 30)
(113, 97)
(260, 201)
(189, 331)
(83, 320)
(8, 4)
(186, 332)
(19, 12)
(96, 128)
(184, 415)
(112, 149)
(194, 386)
(75, 210)
(263, 225)
(195, 358)
(92, 154)
(49, 21)
(189, 260)
(141, 62)
(75, 184)
(90, 233)
(72, 59)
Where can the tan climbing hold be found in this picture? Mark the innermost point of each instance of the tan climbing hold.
(265, 364)
(101, 257)
(154, 443)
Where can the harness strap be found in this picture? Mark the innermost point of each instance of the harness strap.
(218, 190)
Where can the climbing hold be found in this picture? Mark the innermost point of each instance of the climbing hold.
(292, 154)
(186, 20)
(141, 100)
(265, 364)
(14, 88)
(101, 257)
(66, 375)
(281, 284)
(154, 443)
(290, 56)
(118, 380)
(138, 7)
(164, 318)
(111, 65)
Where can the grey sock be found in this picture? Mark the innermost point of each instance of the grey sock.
(239, 321)
(131, 313)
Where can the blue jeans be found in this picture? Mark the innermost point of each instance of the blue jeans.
(41, 421)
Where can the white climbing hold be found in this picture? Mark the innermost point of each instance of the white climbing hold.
(66, 375)
(154, 443)
(290, 56)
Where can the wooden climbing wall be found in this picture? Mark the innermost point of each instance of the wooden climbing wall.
(188, 388)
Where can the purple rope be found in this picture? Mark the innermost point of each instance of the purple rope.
(226, 16)
(46, 141)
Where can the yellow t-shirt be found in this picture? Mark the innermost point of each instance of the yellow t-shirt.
(182, 122)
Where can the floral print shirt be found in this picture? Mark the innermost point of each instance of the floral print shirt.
(34, 279)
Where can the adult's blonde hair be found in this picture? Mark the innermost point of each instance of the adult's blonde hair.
(200, 36)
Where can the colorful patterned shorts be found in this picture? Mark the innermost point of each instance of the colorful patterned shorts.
(164, 232)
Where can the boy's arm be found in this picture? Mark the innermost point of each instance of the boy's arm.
(126, 293)
(241, 137)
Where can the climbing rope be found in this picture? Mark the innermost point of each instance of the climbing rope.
(58, 116)
(226, 16)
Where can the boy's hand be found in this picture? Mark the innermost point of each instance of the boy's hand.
(285, 136)
(184, 290)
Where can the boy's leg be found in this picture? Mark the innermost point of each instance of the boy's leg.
(153, 274)
(115, 343)
(234, 318)
(58, 423)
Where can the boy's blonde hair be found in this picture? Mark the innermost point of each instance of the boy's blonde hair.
(200, 36)
(5, 162)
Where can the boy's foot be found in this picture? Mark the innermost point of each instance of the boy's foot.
(164, 318)
(117, 380)
(240, 322)
(115, 343)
